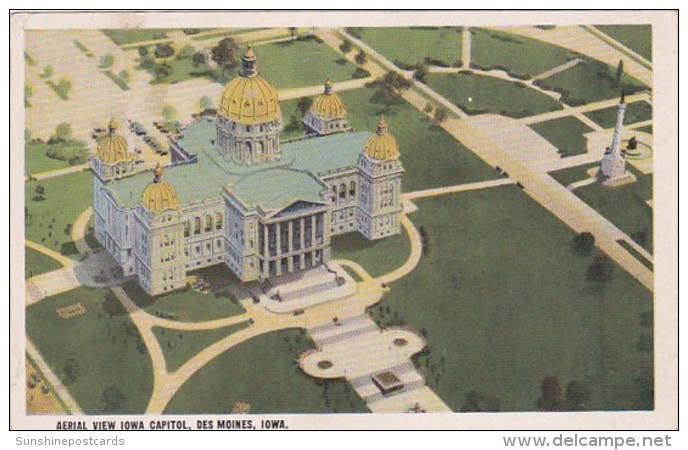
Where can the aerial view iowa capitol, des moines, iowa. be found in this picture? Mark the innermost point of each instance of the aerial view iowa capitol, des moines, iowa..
(428, 219)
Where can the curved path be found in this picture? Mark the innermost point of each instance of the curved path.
(79, 231)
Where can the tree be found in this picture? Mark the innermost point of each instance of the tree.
(440, 114)
(124, 76)
(345, 46)
(186, 52)
(143, 51)
(550, 395)
(428, 108)
(163, 51)
(361, 57)
(420, 74)
(577, 396)
(40, 193)
(198, 59)
(304, 104)
(583, 243)
(169, 113)
(223, 54)
(71, 370)
(478, 402)
(63, 133)
(619, 72)
(106, 61)
(48, 72)
(600, 271)
(205, 103)
(28, 92)
(386, 96)
(64, 85)
(113, 398)
(293, 32)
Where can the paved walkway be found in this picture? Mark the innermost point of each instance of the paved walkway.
(79, 231)
(583, 109)
(59, 172)
(618, 45)
(458, 188)
(60, 389)
(557, 69)
(466, 47)
(579, 40)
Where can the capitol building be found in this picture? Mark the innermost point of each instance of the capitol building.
(235, 195)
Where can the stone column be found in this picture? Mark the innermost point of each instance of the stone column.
(313, 225)
(290, 243)
(278, 246)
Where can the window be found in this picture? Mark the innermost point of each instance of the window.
(187, 228)
(342, 191)
(218, 221)
(197, 225)
(352, 189)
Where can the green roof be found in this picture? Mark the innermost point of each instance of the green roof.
(272, 185)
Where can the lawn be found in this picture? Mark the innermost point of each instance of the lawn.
(263, 372)
(104, 343)
(186, 305)
(589, 81)
(624, 206)
(636, 37)
(179, 346)
(36, 263)
(300, 63)
(566, 134)
(635, 112)
(573, 174)
(65, 198)
(645, 129)
(181, 70)
(477, 94)
(520, 56)
(445, 162)
(504, 303)
(408, 46)
(376, 257)
(36, 159)
(134, 35)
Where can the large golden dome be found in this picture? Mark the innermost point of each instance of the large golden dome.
(159, 195)
(249, 98)
(328, 104)
(113, 147)
(382, 145)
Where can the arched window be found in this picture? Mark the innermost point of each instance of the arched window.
(197, 225)
(352, 190)
(218, 221)
(208, 223)
(342, 191)
(187, 228)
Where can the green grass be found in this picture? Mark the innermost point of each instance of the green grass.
(221, 33)
(36, 159)
(65, 198)
(104, 342)
(588, 82)
(573, 174)
(520, 56)
(187, 304)
(117, 80)
(263, 371)
(566, 134)
(300, 63)
(376, 257)
(635, 112)
(504, 303)
(431, 157)
(29, 60)
(36, 263)
(179, 346)
(636, 37)
(132, 36)
(181, 70)
(84, 49)
(624, 206)
(410, 46)
(645, 129)
(491, 95)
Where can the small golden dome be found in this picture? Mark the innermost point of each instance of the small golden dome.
(249, 98)
(382, 145)
(328, 104)
(112, 148)
(159, 195)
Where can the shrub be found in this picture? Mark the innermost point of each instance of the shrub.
(360, 72)
(106, 61)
